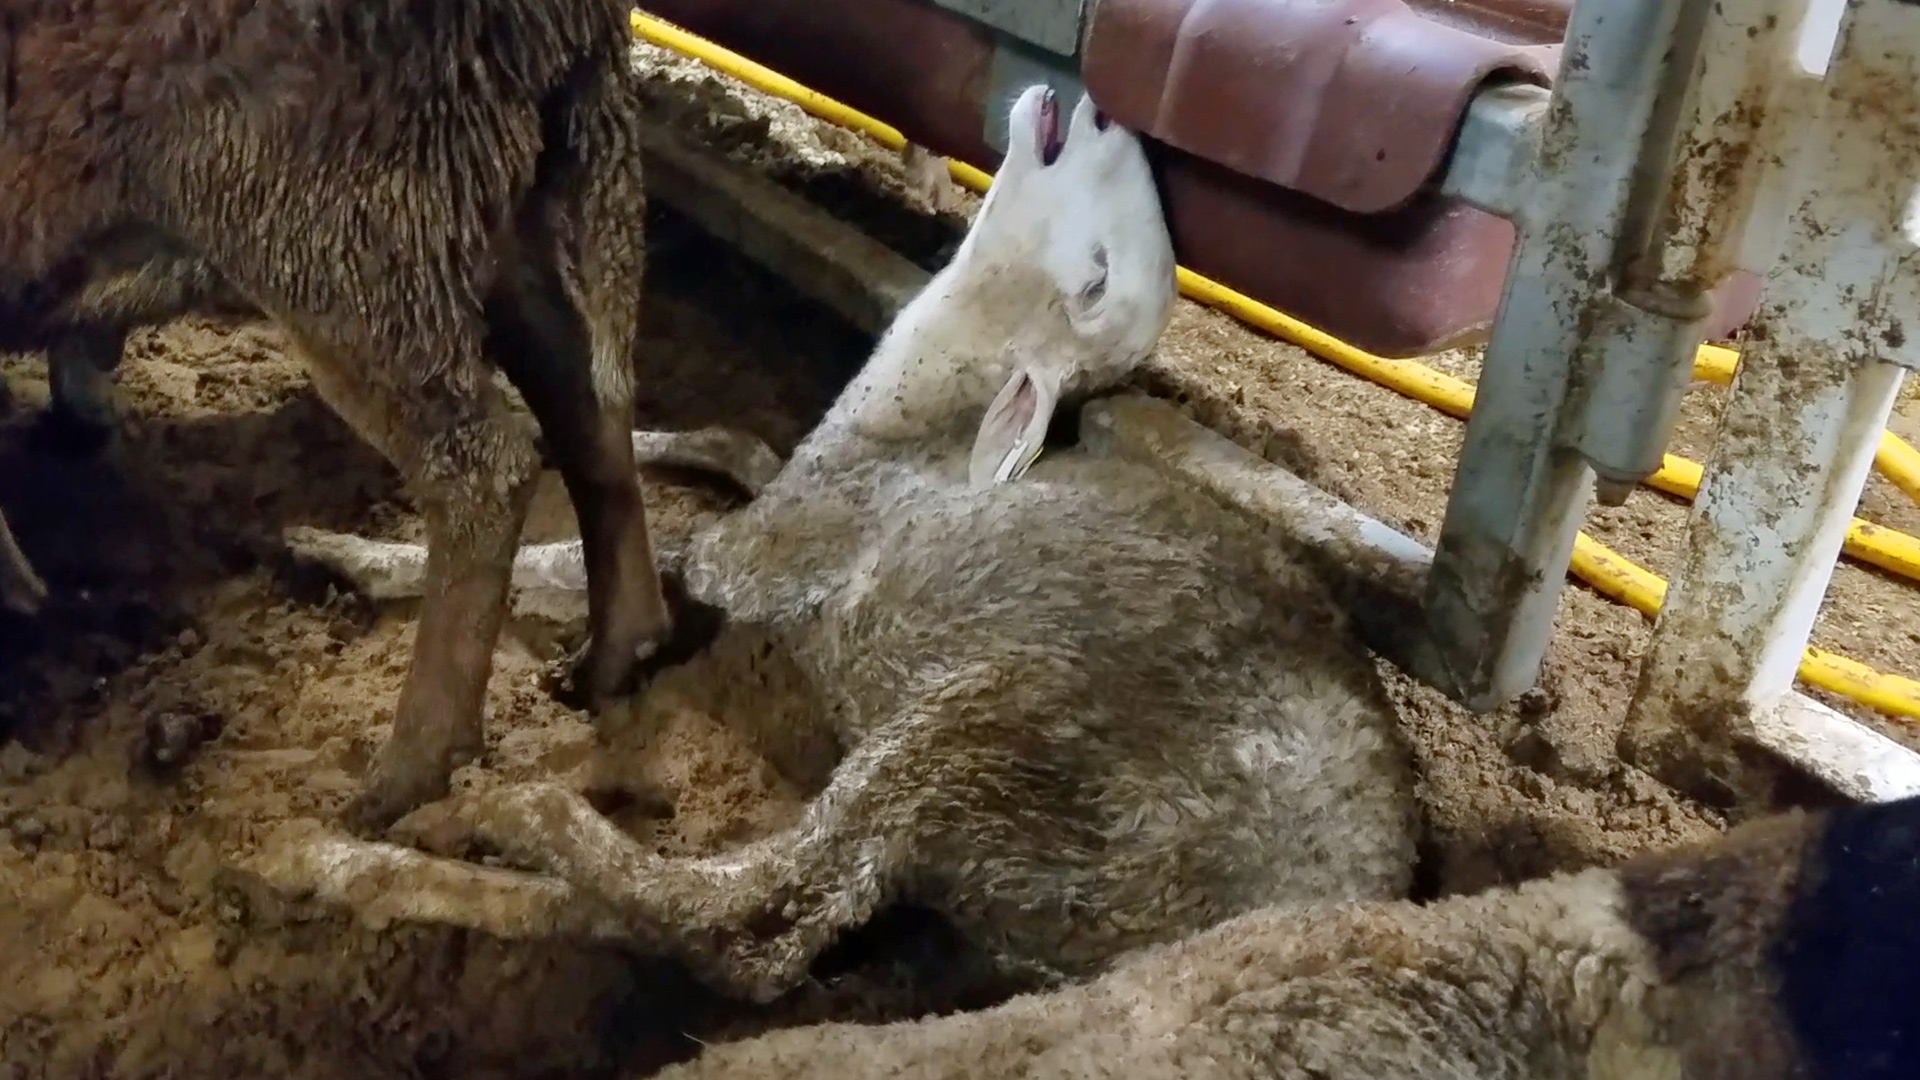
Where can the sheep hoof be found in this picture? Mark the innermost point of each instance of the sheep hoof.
(437, 830)
(579, 681)
(404, 777)
(695, 626)
(380, 805)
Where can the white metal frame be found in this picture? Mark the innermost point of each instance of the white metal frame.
(1684, 139)
(1838, 324)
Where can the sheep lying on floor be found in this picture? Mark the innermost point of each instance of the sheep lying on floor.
(1788, 949)
(1077, 709)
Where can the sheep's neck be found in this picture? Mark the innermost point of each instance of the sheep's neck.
(923, 390)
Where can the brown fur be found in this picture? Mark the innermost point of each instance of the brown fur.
(80, 317)
(1711, 916)
(415, 192)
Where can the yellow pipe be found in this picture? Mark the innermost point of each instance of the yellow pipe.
(1606, 571)
(1896, 459)
(1623, 580)
(1889, 549)
(761, 77)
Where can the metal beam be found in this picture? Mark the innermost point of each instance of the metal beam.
(1818, 377)
(1596, 331)
(1053, 25)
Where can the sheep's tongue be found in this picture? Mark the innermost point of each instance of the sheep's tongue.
(1013, 430)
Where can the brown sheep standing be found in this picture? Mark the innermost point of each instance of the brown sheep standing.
(1787, 950)
(415, 192)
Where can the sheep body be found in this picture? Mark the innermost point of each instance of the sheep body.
(1783, 951)
(416, 193)
(1077, 713)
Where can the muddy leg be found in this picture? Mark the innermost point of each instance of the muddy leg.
(736, 455)
(562, 325)
(545, 350)
(79, 420)
(471, 466)
(749, 922)
(389, 570)
(472, 530)
(383, 883)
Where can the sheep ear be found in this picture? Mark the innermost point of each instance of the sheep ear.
(1013, 429)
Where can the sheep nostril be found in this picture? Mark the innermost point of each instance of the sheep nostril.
(1101, 119)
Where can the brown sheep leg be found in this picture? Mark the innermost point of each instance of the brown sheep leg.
(472, 466)
(563, 325)
(134, 277)
(545, 348)
(79, 420)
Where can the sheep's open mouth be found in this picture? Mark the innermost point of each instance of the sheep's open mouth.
(1049, 134)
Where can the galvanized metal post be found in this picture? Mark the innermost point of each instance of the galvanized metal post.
(1637, 195)
(1818, 375)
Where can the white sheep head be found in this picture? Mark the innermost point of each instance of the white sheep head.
(1073, 234)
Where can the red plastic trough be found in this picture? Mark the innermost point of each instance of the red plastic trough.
(1299, 140)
